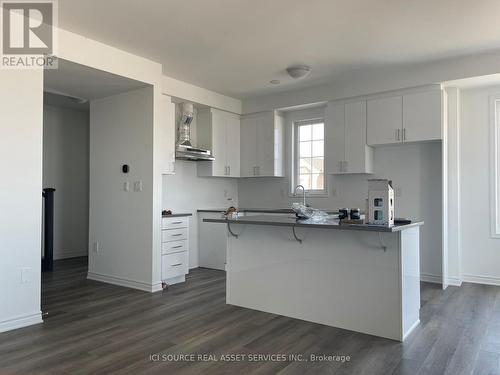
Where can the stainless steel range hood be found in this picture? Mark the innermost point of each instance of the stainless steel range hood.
(184, 149)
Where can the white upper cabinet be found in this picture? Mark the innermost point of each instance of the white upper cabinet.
(167, 135)
(411, 117)
(422, 116)
(219, 132)
(262, 145)
(346, 149)
(384, 120)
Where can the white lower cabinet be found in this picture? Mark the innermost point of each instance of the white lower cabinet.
(174, 265)
(212, 241)
(174, 249)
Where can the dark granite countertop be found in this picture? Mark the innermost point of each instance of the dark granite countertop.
(326, 224)
(177, 215)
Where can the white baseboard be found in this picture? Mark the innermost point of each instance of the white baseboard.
(437, 279)
(21, 321)
(454, 281)
(488, 280)
(412, 328)
(69, 254)
(175, 280)
(125, 282)
(431, 278)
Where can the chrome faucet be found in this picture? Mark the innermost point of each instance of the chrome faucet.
(303, 193)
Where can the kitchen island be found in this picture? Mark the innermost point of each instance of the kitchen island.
(359, 277)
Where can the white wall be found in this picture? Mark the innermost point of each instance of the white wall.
(380, 79)
(21, 98)
(414, 168)
(66, 168)
(121, 132)
(480, 252)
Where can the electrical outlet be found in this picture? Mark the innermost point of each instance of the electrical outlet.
(96, 246)
(126, 186)
(26, 275)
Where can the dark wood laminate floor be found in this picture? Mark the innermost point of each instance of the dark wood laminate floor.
(96, 328)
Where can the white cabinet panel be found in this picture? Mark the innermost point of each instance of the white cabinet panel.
(358, 155)
(262, 145)
(219, 142)
(174, 234)
(346, 148)
(174, 222)
(384, 120)
(233, 145)
(422, 116)
(334, 138)
(167, 135)
(219, 132)
(174, 247)
(174, 265)
(248, 146)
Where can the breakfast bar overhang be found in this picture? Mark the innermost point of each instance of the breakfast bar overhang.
(359, 277)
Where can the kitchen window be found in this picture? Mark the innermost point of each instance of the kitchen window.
(495, 165)
(309, 160)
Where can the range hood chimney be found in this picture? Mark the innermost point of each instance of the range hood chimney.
(184, 149)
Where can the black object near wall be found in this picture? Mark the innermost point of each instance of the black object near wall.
(48, 229)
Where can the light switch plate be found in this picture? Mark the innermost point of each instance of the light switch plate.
(126, 186)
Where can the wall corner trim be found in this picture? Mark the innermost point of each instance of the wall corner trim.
(21, 321)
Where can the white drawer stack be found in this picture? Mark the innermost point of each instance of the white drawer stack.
(174, 249)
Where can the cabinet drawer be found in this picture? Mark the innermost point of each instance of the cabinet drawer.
(174, 234)
(174, 222)
(173, 265)
(173, 247)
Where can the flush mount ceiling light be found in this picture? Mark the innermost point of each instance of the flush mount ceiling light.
(298, 71)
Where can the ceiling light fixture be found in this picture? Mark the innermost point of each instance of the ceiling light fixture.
(275, 81)
(298, 71)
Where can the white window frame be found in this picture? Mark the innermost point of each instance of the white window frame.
(495, 166)
(295, 158)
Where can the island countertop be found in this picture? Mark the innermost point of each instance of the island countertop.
(328, 223)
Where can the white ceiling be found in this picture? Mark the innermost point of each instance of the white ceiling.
(82, 82)
(236, 47)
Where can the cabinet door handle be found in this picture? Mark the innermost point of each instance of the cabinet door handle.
(176, 222)
(404, 134)
(177, 234)
(176, 264)
(229, 170)
(176, 247)
(397, 135)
